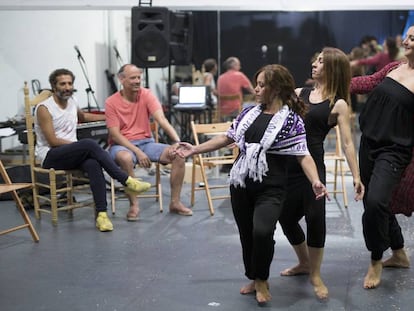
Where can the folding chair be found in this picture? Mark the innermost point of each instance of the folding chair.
(203, 161)
(9, 187)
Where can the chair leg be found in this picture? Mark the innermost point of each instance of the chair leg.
(335, 181)
(158, 187)
(36, 201)
(26, 218)
(207, 189)
(53, 199)
(343, 185)
(113, 196)
(193, 178)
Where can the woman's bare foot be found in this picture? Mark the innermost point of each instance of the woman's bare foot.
(248, 289)
(299, 269)
(373, 276)
(262, 291)
(321, 291)
(399, 259)
(180, 209)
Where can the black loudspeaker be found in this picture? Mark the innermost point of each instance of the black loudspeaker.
(150, 37)
(181, 38)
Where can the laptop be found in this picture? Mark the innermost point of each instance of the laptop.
(192, 97)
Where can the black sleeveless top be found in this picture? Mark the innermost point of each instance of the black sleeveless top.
(317, 127)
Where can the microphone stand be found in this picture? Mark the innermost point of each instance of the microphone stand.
(89, 91)
(118, 57)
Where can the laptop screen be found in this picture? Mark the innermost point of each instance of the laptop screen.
(192, 94)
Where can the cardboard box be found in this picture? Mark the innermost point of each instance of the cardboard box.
(188, 172)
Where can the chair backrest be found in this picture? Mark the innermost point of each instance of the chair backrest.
(208, 129)
(154, 130)
(29, 106)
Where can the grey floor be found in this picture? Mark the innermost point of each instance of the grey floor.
(170, 262)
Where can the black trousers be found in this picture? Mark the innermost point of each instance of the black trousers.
(88, 156)
(256, 210)
(300, 202)
(381, 168)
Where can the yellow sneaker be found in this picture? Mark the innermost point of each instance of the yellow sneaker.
(103, 223)
(135, 186)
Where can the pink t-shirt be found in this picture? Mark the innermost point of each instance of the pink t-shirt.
(133, 119)
(231, 83)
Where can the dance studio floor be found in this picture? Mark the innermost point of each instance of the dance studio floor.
(166, 262)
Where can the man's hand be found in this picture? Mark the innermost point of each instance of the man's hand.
(143, 159)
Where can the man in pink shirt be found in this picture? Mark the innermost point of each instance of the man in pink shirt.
(230, 86)
(128, 114)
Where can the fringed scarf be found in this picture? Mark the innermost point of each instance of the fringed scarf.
(252, 162)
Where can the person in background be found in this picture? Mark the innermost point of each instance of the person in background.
(357, 100)
(209, 71)
(230, 87)
(328, 105)
(385, 153)
(387, 55)
(266, 134)
(57, 146)
(128, 113)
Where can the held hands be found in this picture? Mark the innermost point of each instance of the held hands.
(320, 190)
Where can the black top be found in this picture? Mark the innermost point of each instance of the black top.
(277, 173)
(388, 115)
(257, 129)
(317, 127)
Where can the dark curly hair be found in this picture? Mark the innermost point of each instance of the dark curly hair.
(279, 82)
(57, 73)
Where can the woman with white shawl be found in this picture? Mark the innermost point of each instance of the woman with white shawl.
(266, 134)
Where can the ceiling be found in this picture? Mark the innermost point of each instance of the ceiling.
(227, 5)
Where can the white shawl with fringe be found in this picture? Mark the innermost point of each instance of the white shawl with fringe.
(252, 163)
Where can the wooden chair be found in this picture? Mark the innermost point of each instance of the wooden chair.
(336, 166)
(8, 187)
(156, 187)
(50, 187)
(203, 161)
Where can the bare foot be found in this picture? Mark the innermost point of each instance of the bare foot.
(299, 269)
(373, 277)
(180, 209)
(248, 289)
(133, 213)
(399, 259)
(262, 291)
(321, 291)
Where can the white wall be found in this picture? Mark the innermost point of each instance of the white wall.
(34, 43)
